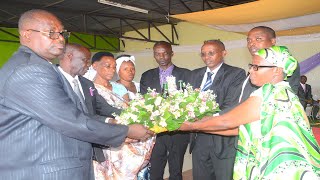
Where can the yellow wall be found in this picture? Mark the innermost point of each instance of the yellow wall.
(191, 37)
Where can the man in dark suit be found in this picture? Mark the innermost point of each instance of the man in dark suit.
(258, 38)
(213, 155)
(73, 64)
(170, 146)
(44, 131)
(304, 92)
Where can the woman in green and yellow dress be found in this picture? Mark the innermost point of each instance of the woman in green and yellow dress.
(275, 138)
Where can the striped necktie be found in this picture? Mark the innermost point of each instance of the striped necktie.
(208, 82)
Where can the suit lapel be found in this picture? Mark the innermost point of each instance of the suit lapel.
(156, 80)
(199, 77)
(217, 79)
(87, 95)
(68, 89)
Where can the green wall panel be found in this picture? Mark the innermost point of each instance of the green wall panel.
(8, 48)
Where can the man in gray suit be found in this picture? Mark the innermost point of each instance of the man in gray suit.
(213, 155)
(44, 131)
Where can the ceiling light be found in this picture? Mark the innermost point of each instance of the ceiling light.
(119, 5)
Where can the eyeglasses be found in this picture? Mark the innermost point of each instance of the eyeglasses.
(256, 67)
(210, 54)
(54, 35)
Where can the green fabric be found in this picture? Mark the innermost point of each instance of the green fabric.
(280, 57)
(281, 144)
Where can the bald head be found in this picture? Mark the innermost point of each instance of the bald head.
(75, 59)
(33, 18)
(40, 31)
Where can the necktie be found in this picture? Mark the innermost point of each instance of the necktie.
(79, 94)
(208, 82)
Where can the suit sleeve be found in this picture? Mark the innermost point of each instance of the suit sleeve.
(105, 109)
(294, 80)
(143, 84)
(231, 98)
(37, 91)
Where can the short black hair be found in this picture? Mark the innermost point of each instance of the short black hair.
(266, 29)
(216, 41)
(165, 43)
(97, 57)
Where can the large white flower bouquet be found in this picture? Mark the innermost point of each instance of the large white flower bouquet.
(167, 114)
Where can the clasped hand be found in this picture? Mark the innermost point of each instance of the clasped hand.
(138, 132)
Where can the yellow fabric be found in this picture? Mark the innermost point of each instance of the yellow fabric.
(258, 11)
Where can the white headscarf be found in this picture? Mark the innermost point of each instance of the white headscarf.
(120, 60)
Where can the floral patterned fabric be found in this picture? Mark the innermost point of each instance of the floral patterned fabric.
(124, 162)
(114, 97)
(280, 145)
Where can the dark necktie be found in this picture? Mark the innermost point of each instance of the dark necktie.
(208, 82)
(79, 94)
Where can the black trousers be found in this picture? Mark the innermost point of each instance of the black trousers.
(169, 147)
(206, 165)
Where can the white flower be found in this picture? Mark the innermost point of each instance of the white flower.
(176, 114)
(163, 122)
(191, 114)
(134, 118)
(158, 101)
(172, 87)
(202, 109)
(149, 107)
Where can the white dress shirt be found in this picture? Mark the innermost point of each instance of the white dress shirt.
(214, 72)
(70, 80)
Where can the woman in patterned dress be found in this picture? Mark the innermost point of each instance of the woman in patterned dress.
(275, 138)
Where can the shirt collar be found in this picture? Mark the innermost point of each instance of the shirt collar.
(168, 70)
(215, 70)
(68, 76)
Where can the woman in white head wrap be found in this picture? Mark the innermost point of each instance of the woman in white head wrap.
(126, 71)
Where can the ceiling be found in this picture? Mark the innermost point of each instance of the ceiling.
(89, 16)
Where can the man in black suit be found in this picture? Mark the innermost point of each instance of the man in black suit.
(213, 155)
(169, 146)
(73, 64)
(258, 38)
(304, 92)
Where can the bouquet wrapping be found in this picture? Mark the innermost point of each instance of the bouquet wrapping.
(167, 111)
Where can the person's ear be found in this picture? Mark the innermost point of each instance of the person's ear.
(25, 35)
(95, 65)
(70, 55)
(224, 53)
(172, 53)
(273, 41)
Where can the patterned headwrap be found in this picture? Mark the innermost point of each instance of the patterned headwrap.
(280, 57)
(120, 60)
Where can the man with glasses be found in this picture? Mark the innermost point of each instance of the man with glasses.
(45, 132)
(170, 146)
(258, 38)
(213, 155)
